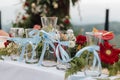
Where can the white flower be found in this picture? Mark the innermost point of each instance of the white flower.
(21, 21)
(69, 31)
(44, 6)
(33, 5)
(71, 44)
(70, 35)
(55, 5)
(27, 15)
(57, 35)
(26, 8)
(38, 1)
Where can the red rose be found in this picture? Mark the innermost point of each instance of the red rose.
(6, 43)
(23, 18)
(26, 4)
(66, 21)
(108, 54)
(10, 35)
(81, 39)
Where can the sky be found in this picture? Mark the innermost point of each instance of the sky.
(9, 9)
(91, 11)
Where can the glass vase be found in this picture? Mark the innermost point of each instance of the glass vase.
(27, 32)
(49, 23)
(63, 65)
(92, 61)
(93, 38)
(49, 59)
(31, 54)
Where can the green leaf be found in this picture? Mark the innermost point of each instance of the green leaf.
(76, 65)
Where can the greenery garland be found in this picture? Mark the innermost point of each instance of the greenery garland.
(12, 48)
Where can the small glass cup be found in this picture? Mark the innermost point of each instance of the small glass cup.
(91, 69)
(27, 32)
(63, 65)
(93, 38)
(93, 65)
(17, 50)
(31, 55)
(49, 59)
(17, 32)
(49, 23)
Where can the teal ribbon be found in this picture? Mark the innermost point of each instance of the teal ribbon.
(61, 54)
(94, 50)
(48, 41)
(23, 42)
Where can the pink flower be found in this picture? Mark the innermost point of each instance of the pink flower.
(37, 27)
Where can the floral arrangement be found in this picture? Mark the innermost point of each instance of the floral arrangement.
(6, 47)
(10, 48)
(35, 9)
(108, 53)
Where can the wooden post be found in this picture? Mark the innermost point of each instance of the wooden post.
(107, 20)
(0, 21)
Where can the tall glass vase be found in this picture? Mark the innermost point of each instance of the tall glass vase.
(49, 26)
(49, 23)
(93, 64)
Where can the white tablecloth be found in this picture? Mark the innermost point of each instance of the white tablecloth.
(11, 70)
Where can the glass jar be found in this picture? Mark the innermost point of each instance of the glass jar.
(93, 38)
(93, 63)
(27, 32)
(30, 54)
(63, 65)
(49, 58)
